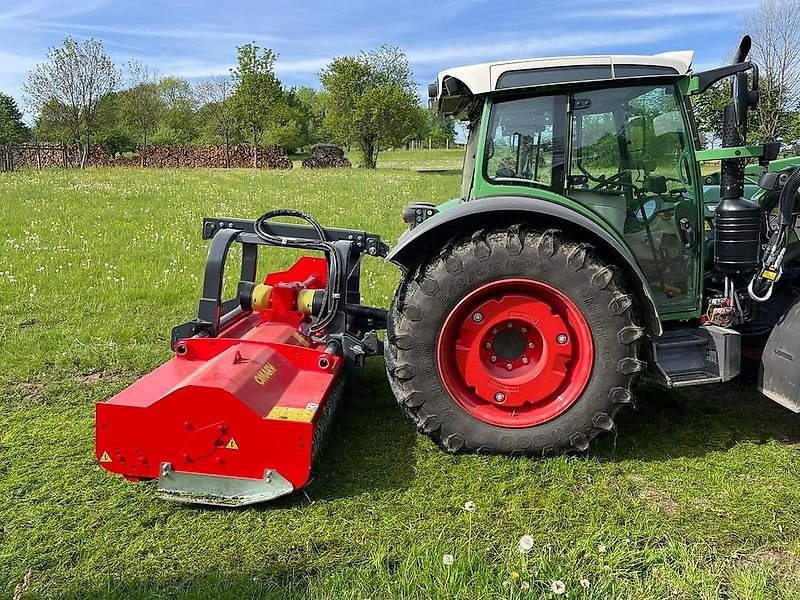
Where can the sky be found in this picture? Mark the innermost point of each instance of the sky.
(195, 39)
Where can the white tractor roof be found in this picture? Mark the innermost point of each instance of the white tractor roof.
(488, 77)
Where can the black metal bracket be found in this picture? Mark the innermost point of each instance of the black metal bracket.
(369, 243)
(215, 314)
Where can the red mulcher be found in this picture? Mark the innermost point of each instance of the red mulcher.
(237, 415)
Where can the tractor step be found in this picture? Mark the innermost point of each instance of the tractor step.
(696, 356)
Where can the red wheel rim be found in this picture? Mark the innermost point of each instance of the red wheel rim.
(515, 353)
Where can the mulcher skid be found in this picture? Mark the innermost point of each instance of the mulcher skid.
(237, 415)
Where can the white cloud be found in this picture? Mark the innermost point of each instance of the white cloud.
(571, 43)
(661, 10)
(301, 66)
(51, 8)
(151, 32)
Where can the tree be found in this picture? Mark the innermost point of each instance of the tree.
(12, 128)
(50, 124)
(439, 129)
(708, 109)
(775, 28)
(111, 131)
(178, 118)
(141, 103)
(72, 80)
(371, 100)
(258, 92)
(344, 81)
(312, 106)
(215, 95)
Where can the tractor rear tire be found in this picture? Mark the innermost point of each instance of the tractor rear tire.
(513, 341)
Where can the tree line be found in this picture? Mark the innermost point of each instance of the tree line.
(367, 101)
(78, 95)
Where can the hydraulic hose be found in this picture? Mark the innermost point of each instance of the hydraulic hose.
(333, 295)
(763, 282)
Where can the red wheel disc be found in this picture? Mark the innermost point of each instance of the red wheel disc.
(515, 353)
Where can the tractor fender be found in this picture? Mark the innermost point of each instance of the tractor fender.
(413, 245)
(779, 373)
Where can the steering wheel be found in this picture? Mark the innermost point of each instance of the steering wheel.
(615, 181)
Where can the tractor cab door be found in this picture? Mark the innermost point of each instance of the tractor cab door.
(631, 161)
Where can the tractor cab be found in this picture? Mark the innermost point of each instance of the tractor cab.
(610, 136)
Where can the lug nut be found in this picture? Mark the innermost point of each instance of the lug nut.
(509, 325)
(488, 345)
(477, 317)
(531, 345)
(562, 338)
(509, 366)
(494, 330)
(499, 397)
(493, 359)
(525, 360)
(524, 330)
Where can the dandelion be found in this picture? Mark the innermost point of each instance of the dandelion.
(469, 506)
(584, 583)
(448, 559)
(525, 544)
(558, 587)
(514, 575)
(601, 548)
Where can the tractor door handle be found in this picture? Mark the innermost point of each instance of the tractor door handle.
(686, 232)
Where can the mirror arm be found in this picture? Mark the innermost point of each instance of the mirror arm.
(705, 79)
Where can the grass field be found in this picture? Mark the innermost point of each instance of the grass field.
(698, 496)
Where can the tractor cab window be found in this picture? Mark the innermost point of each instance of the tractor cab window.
(629, 162)
(520, 148)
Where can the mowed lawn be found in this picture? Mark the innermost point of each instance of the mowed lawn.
(696, 496)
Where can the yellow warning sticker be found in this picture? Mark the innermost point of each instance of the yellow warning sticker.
(232, 445)
(771, 275)
(105, 458)
(288, 413)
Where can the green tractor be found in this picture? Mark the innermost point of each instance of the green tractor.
(588, 248)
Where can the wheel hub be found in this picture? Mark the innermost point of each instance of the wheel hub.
(515, 353)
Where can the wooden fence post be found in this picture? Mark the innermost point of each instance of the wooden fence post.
(64, 153)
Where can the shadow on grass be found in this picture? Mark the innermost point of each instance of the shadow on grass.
(692, 422)
(370, 445)
(217, 586)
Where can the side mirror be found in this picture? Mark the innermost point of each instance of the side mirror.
(743, 98)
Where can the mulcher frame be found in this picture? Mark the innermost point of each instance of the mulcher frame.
(215, 314)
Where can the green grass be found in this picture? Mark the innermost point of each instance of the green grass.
(697, 497)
